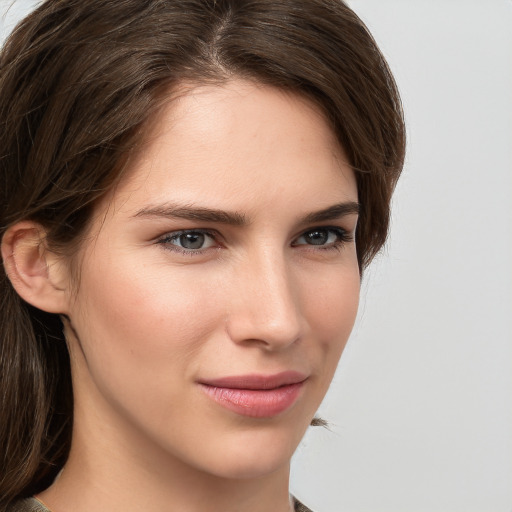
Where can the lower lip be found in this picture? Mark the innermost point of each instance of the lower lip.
(255, 403)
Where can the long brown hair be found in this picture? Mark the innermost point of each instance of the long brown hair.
(78, 83)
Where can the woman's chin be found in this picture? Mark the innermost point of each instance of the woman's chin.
(249, 454)
(251, 465)
(256, 457)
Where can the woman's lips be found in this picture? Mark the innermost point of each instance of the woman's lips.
(256, 396)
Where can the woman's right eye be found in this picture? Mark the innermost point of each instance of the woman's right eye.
(189, 241)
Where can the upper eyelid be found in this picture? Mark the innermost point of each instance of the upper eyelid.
(178, 232)
(323, 226)
(215, 232)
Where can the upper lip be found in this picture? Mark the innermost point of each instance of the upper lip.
(257, 381)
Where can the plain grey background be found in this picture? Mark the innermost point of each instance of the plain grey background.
(420, 410)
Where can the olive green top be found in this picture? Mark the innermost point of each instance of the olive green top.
(28, 505)
(33, 505)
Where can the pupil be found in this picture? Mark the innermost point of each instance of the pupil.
(192, 240)
(317, 237)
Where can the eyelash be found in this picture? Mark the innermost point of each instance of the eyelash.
(342, 237)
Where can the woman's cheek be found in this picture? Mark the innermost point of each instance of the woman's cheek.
(330, 298)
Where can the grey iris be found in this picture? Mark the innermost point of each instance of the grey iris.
(317, 237)
(192, 240)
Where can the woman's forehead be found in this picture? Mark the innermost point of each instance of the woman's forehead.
(243, 140)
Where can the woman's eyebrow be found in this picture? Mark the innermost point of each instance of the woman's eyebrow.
(199, 213)
(203, 214)
(332, 212)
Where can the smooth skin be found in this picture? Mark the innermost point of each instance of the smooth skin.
(227, 250)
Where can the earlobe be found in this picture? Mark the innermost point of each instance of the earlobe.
(35, 272)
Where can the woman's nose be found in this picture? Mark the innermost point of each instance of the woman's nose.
(264, 305)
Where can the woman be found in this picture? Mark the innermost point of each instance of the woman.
(181, 187)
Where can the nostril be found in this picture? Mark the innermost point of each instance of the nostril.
(252, 327)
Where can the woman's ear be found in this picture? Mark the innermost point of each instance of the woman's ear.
(38, 275)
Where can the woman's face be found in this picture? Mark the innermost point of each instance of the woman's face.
(218, 286)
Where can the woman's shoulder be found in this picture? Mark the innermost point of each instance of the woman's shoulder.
(27, 505)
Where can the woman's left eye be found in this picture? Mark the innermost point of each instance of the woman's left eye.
(189, 241)
(323, 237)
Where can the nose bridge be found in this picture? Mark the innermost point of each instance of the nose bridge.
(267, 304)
